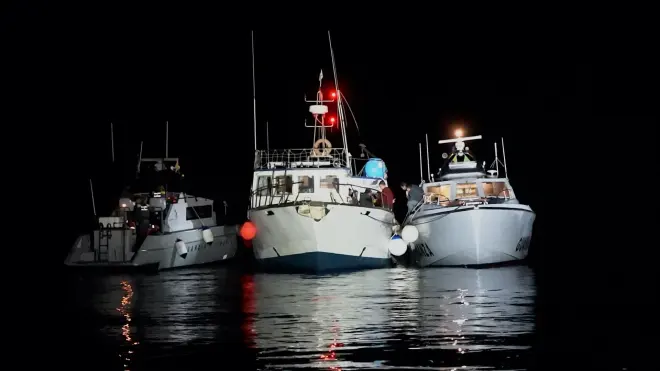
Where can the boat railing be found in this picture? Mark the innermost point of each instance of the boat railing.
(257, 199)
(304, 157)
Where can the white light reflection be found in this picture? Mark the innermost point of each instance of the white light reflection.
(182, 305)
(302, 319)
(125, 308)
(472, 307)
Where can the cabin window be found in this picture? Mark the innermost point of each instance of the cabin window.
(263, 186)
(495, 189)
(441, 193)
(306, 184)
(466, 190)
(283, 184)
(330, 182)
(199, 212)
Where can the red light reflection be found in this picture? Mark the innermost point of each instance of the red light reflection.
(331, 355)
(248, 309)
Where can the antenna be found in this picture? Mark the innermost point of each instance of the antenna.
(340, 107)
(112, 141)
(140, 157)
(91, 189)
(497, 160)
(456, 140)
(428, 162)
(167, 139)
(267, 138)
(506, 174)
(254, 96)
(421, 172)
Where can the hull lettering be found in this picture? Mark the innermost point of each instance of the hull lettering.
(423, 250)
(523, 243)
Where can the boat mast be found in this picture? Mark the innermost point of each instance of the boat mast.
(140, 157)
(428, 161)
(112, 141)
(91, 189)
(340, 107)
(421, 172)
(497, 160)
(167, 139)
(506, 174)
(254, 96)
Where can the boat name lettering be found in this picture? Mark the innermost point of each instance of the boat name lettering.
(523, 244)
(424, 250)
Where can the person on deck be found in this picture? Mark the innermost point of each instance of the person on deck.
(414, 193)
(366, 198)
(387, 196)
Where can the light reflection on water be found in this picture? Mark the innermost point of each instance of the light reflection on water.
(391, 318)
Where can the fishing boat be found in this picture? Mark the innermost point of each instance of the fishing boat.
(470, 216)
(310, 210)
(156, 225)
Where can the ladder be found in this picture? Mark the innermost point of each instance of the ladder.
(104, 242)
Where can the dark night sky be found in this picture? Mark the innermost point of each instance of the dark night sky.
(71, 71)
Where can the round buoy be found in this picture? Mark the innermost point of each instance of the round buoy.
(410, 234)
(248, 231)
(181, 248)
(207, 235)
(397, 246)
(327, 147)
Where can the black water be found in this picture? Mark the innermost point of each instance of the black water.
(220, 317)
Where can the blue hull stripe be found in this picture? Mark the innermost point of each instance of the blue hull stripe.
(323, 262)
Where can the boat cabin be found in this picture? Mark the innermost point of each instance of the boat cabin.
(291, 178)
(162, 212)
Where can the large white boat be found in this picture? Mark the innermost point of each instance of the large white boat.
(469, 217)
(310, 212)
(156, 227)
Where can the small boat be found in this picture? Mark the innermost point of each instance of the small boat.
(158, 229)
(470, 217)
(309, 212)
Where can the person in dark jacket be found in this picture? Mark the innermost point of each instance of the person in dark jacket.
(414, 193)
(387, 196)
(366, 198)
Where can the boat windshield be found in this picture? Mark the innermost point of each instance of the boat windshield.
(495, 189)
(466, 191)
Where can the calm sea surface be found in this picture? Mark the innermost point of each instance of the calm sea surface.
(221, 318)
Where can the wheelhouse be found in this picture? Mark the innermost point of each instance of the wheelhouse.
(490, 190)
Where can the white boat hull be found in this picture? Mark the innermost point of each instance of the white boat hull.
(158, 250)
(348, 237)
(472, 236)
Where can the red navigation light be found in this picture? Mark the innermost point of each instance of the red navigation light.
(332, 120)
(333, 95)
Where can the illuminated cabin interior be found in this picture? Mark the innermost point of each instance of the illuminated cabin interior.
(488, 189)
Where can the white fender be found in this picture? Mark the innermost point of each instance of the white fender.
(207, 235)
(410, 234)
(397, 246)
(181, 248)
